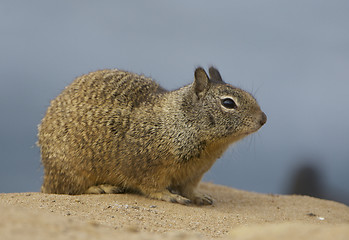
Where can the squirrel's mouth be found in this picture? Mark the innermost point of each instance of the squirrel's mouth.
(263, 119)
(260, 121)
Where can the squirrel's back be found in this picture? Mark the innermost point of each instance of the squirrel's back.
(109, 87)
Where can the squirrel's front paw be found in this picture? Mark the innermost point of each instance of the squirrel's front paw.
(202, 199)
(104, 188)
(169, 197)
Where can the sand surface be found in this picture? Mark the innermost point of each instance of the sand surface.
(235, 214)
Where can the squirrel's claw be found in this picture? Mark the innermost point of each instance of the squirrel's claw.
(202, 199)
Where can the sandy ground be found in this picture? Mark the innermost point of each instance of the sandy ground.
(235, 215)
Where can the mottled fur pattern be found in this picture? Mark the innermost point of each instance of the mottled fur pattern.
(112, 131)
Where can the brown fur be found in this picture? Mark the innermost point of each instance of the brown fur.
(114, 131)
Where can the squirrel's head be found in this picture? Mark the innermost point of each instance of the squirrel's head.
(222, 110)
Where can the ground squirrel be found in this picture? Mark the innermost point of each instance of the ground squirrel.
(113, 131)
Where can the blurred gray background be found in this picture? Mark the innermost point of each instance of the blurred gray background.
(292, 55)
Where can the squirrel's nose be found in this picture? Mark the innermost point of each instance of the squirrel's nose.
(263, 119)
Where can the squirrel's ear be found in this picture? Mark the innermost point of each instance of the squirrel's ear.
(215, 75)
(201, 82)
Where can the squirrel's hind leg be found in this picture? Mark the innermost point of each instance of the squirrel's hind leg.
(104, 188)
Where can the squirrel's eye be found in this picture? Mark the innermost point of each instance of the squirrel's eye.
(229, 103)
